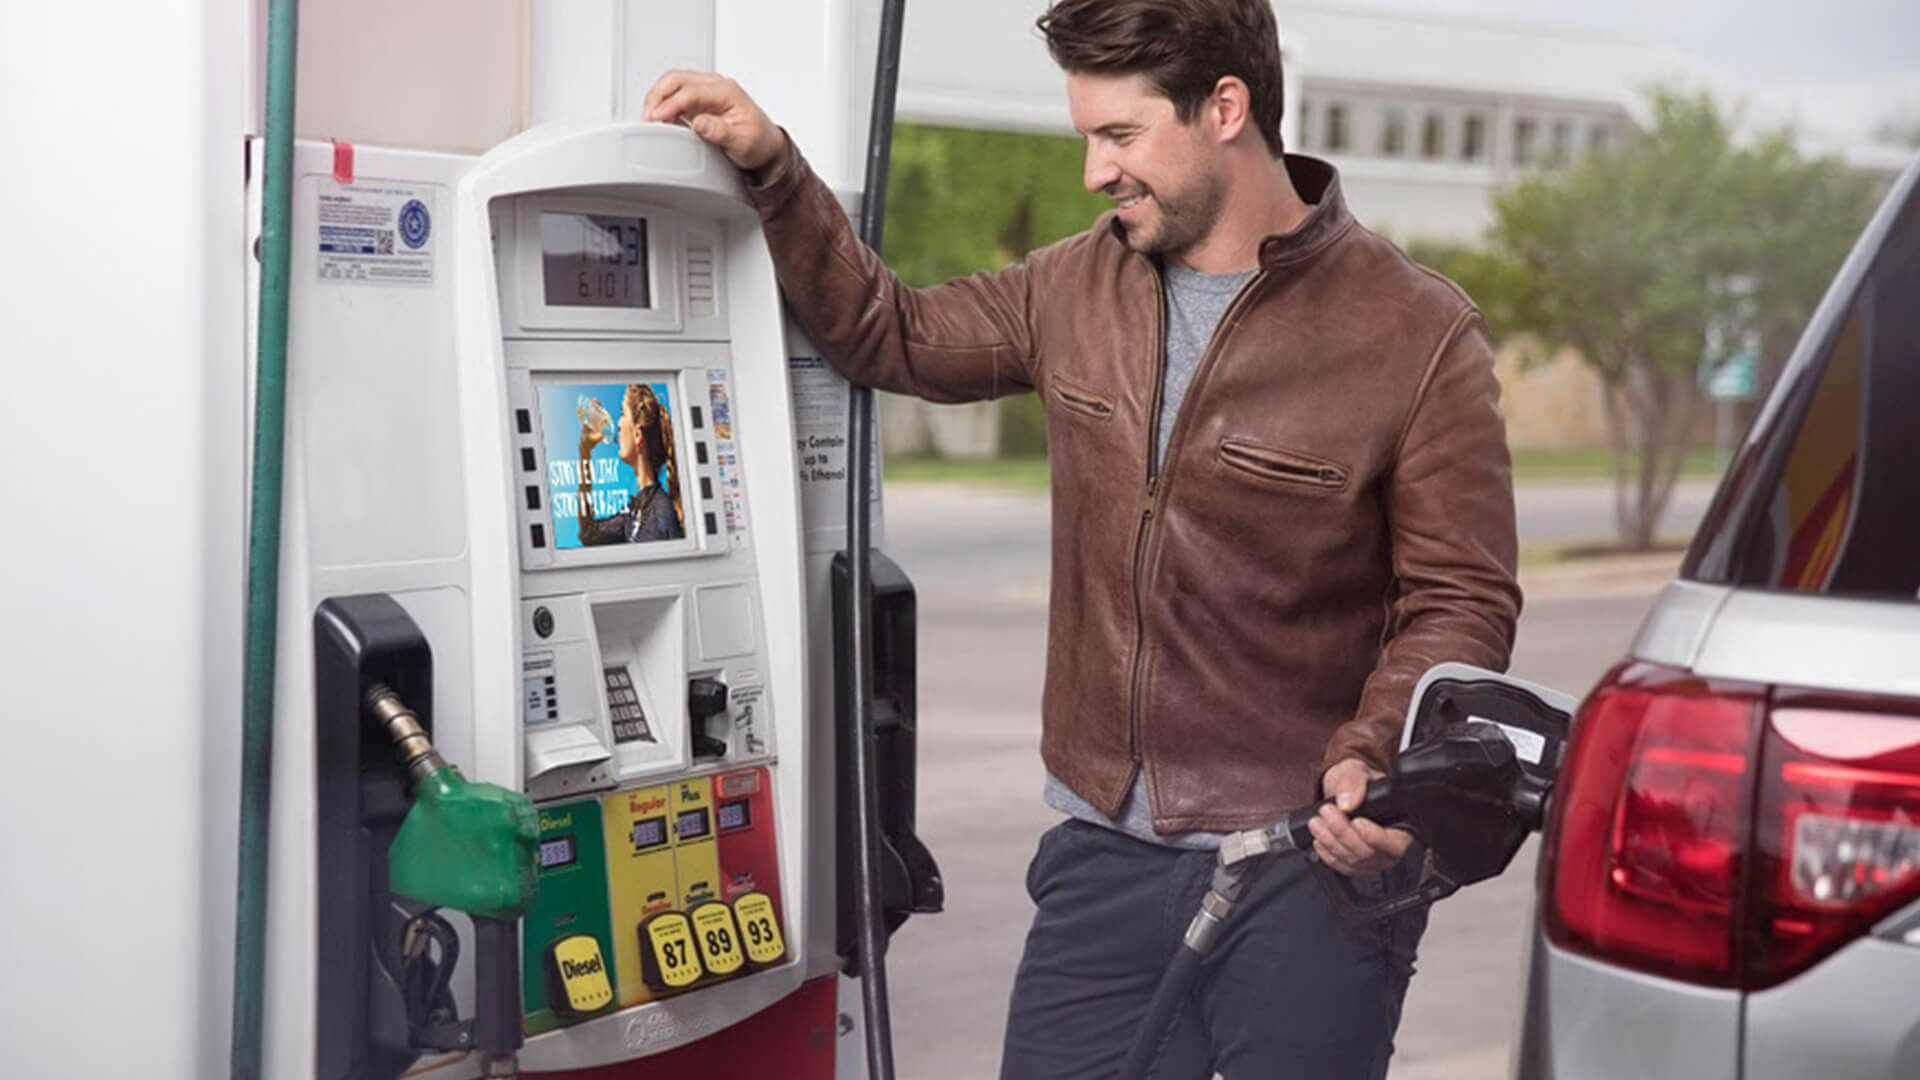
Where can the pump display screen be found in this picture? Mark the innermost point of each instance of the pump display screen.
(691, 824)
(613, 470)
(557, 852)
(594, 260)
(649, 832)
(733, 815)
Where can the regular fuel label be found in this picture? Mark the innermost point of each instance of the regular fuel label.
(669, 961)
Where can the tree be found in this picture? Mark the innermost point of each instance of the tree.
(1647, 259)
(1901, 127)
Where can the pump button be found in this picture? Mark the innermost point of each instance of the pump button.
(577, 981)
(668, 958)
(543, 625)
(759, 929)
(717, 938)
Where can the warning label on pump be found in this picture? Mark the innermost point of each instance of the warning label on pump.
(376, 234)
(820, 424)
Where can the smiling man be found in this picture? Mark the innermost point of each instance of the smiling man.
(1281, 492)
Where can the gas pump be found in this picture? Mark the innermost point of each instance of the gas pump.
(624, 327)
(562, 488)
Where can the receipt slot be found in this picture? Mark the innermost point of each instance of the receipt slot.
(635, 511)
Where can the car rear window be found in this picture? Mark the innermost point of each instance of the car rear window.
(1825, 496)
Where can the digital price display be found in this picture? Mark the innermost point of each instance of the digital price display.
(691, 824)
(733, 815)
(649, 833)
(557, 852)
(594, 260)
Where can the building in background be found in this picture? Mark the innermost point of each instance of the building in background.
(1426, 117)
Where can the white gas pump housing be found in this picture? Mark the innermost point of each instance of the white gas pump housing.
(682, 300)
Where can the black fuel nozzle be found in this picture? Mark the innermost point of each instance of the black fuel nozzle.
(1466, 797)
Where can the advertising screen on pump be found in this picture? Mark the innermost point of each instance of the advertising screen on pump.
(598, 436)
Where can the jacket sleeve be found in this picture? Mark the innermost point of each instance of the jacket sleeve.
(1449, 503)
(963, 341)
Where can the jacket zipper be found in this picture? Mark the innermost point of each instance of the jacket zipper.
(1143, 537)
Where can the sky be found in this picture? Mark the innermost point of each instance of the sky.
(1801, 41)
(1839, 65)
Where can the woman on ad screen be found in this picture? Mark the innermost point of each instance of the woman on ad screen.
(645, 443)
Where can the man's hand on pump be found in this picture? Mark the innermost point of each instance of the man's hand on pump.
(1353, 846)
(719, 111)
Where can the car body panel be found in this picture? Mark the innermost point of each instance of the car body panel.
(1814, 642)
(1587, 1020)
(1677, 623)
(1853, 1016)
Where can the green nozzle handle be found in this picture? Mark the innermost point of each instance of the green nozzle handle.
(466, 846)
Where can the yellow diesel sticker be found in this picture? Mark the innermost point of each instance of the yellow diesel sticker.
(583, 972)
(671, 961)
(718, 939)
(759, 929)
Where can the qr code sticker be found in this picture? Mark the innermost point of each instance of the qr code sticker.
(383, 242)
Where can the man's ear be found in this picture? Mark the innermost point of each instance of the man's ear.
(1230, 105)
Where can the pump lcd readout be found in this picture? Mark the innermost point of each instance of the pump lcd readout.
(613, 468)
(594, 260)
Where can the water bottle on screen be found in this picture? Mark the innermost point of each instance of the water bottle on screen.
(594, 417)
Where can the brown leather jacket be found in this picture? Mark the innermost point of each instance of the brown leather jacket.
(1334, 514)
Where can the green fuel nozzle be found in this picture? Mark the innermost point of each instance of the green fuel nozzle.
(464, 845)
(469, 847)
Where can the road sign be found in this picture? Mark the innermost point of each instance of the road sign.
(1736, 378)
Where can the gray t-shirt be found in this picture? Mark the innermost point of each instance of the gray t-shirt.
(1195, 303)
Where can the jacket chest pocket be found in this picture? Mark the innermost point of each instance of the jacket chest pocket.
(1075, 399)
(1279, 466)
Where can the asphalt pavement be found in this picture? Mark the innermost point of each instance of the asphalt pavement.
(979, 562)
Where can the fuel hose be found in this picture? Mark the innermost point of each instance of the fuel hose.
(263, 547)
(872, 937)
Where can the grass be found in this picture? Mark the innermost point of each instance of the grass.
(1030, 473)
(1596, 463)
(1536, 555)
(1016, 474)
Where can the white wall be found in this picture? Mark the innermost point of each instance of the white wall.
(424, 74)
(120, 425)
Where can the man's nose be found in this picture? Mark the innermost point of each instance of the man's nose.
(1100, 172)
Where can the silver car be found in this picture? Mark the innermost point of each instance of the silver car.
(1730, 884)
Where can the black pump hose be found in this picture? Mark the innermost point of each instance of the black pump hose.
(872, 942)
(1230, 883)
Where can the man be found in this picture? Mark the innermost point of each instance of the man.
(1281, 492)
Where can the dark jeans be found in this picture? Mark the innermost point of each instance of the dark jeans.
(1289, 993)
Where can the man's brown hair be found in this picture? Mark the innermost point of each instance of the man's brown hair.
(1184, 47)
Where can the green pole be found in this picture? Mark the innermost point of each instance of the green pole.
(263, 546)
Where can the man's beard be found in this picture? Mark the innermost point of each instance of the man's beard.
(1187, 217)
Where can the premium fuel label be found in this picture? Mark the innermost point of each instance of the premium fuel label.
(759, 930)
(717, 938)
(668, 958)
(576, 966)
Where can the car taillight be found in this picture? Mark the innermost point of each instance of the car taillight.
(1837, 835)
(1699, 835)
(1650, 821)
